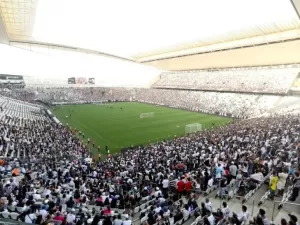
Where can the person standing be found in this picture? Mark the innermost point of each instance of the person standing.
(223, 188)
(282, 181)
(296, 182)
(180, 187)
(165, 185)
(208, 205)
(219, 171)
(118, 220)
(226, 211)
(127, 221)
(242, 217)
(273, 185)
(188, 186)
(1, 189)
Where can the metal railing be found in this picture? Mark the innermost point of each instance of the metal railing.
(4, 221)
(286, 203)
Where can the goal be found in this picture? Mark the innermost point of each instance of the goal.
(192, 128)
(144, 115)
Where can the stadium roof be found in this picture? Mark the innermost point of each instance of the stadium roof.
(145, 31)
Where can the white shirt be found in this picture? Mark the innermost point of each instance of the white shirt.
(211, 220)
(70, 218)
(226, 212)
(210, 182)
(208, 206)
(157, 193)
(157, 210)
(46, 192)
(117, 222)
(162, 200)
(29, 218)
(44, 213)
(243, 216)
(171, 221)
(127, 222)
(111, 188)
(266, 221)
(36, 196)
(185, 213)
(165, 183)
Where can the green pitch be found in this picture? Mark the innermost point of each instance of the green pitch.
(118, 128)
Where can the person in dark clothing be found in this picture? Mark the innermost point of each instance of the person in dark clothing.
(107, 221)
(113, 202)
(193, 203)
(178, 216)
(151, 219)
(39, 219)
(70, 203)
(96, 220)
(206, 179)
(296, 182)
(77, 183)
(223, 184)
(204, 210)
(80, 215)
(1, 189)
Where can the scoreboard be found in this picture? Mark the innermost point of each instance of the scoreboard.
(81, 80)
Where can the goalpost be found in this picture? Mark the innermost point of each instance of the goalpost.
(145, 115)
(192, 128)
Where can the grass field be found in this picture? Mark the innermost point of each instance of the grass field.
(118, 128)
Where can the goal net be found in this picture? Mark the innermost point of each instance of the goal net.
(144, 115)
(192, 128)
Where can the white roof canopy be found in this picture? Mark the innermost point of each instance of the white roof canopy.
(139, 29)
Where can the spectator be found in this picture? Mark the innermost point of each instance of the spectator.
(282, 181)
(118, 220)
(127, 221)
(296, 182)
(225, 211)
(241, 217)
(273, 185)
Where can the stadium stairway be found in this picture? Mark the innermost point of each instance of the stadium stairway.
(252, 205)
(283, 214)
(235, 204)
(278, 102)
(285, 101)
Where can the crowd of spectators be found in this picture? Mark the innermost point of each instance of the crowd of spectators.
(55, 180)
(19, 93)
(267, 80)
(220, 103)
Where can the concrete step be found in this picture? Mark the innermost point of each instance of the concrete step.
(283, 214)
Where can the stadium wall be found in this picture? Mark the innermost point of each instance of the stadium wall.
(224, 91)
(3, 34)
(265, 54)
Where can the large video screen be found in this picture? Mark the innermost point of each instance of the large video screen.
(91, 80)
(6, 79)
(81, 80)
(71, 80)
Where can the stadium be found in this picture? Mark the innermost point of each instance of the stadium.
(149, 112)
